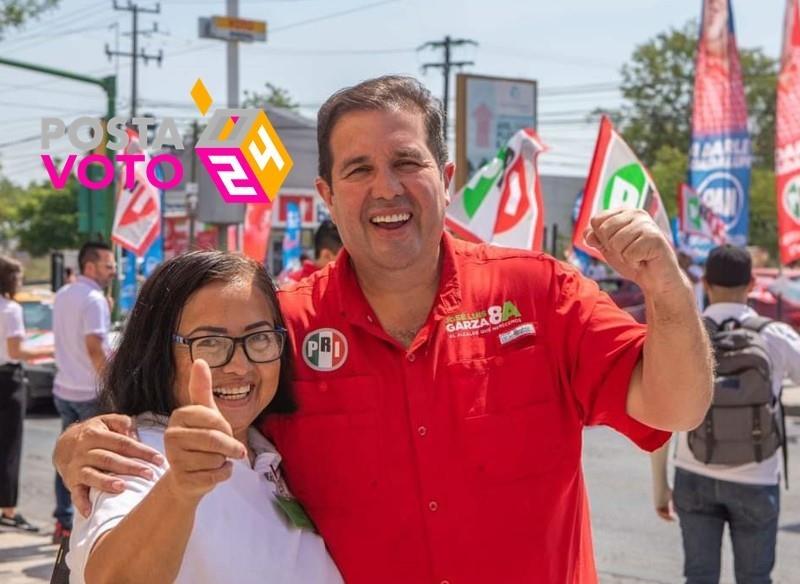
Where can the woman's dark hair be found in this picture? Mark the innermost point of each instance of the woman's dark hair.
(141, 375)
(8, 276)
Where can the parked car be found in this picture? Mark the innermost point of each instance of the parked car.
(625, 294)
(37, 313)
(776, 295)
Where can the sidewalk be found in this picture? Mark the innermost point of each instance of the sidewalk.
(791, 400)
(26, 558)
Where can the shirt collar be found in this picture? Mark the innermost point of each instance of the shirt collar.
(267, 457)
(720, 311)
(351, 297)
(88, 281)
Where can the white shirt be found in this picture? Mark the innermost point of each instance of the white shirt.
(79, 309)
(783, 344)
(11, 326)
(239, 533)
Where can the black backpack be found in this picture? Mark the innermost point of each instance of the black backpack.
(744, 423)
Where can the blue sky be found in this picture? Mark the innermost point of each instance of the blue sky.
(574, 48)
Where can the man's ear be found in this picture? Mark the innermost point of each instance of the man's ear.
(449, 173)
(324, 190)
(706, 286)
(752, 284)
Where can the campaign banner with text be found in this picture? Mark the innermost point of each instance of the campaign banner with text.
(787, 139)
(720, 155)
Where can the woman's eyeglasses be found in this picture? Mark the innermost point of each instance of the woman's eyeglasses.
(217, 350)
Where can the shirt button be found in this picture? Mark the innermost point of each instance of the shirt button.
(445, 582)
(323, 386)
(422, 430)
(433, 505)
(410, 357)
(369, 318)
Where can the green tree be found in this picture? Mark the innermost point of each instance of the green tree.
(47, 218)
(13, 13)
(658, 84)
(274, 96)
(656, 119)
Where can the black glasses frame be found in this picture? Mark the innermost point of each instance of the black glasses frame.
(236, 341)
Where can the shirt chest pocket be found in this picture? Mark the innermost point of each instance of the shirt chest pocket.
(508, 418)
(331, 449)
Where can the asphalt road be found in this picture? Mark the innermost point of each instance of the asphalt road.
(632, 545)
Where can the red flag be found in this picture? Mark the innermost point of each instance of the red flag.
(787, 140)
(257, 223)
(617, 180)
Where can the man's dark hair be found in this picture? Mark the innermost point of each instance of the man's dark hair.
(9, 269)
(391, 92)
(729, 266)
(327, 237)
(90, 253)
(141, 375)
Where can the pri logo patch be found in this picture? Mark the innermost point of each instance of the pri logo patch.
(325, 349)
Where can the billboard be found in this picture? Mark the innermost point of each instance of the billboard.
(489, 111)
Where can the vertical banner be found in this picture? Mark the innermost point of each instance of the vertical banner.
(257, 223)
(720, 156)
(787, 139)
(502, 202)
(291, 239)
(617, 180)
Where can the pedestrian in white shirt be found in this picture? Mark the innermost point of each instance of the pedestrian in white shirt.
(745, 494)
(203, 356)
(81, 324)
(12, 392)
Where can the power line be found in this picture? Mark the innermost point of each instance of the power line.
(447, 63)
(135, 55)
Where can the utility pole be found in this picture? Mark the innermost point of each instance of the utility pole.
(135, 53)
(446, 65)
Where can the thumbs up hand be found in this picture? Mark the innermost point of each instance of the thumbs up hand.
(199, 441)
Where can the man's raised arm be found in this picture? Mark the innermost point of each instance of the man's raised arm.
(672, 384)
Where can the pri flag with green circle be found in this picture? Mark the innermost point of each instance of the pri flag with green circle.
(787, 139)
(502, 202)
(617, 180)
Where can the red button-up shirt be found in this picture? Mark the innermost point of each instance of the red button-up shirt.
(458, 459)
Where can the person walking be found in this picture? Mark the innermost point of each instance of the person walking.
(12, 392)
(81, 323)
(728, 469)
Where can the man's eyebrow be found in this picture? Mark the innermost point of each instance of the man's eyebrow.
(409, 153)
(355, 160)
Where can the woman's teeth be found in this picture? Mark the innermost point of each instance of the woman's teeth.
(232, 393)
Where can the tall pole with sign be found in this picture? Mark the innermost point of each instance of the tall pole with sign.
(233, 30)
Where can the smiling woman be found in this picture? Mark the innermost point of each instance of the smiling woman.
(202, 358)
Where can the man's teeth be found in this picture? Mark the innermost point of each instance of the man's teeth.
(396, 218)
(232, 392)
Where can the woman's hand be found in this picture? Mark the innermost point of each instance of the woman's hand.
(199, 441)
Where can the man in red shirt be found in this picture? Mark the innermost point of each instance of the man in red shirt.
(327, 244)
(443, 386)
